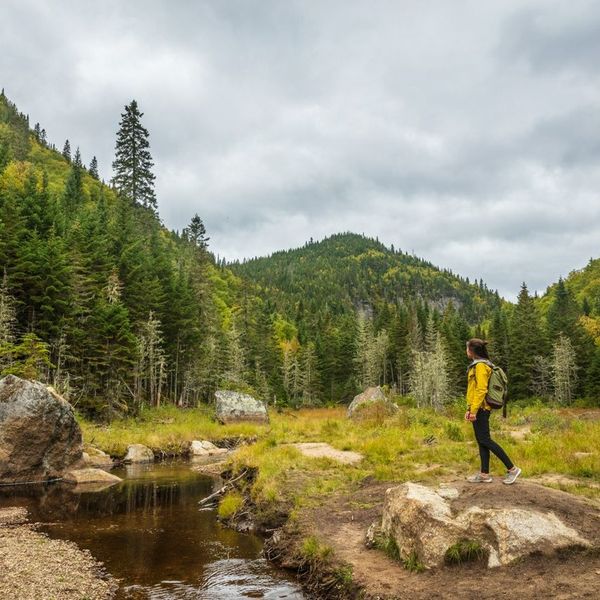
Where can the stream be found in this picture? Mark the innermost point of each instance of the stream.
(151, 535)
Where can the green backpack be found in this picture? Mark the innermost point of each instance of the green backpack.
(497, 385)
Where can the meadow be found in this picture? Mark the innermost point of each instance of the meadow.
(555, 446)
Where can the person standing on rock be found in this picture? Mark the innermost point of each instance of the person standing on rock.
(478, 413)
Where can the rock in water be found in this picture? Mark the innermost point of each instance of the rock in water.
(90, 475)
(39, 436)
(97, 458)
(138, 453)
(235, 406)
(205, 448)
(370, 397)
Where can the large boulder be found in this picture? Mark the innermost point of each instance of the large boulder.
(39, 436)
(371, 397)
(138, 453)
(423, 524)
(232, 407)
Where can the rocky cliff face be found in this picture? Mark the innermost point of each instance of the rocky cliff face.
(39, 436)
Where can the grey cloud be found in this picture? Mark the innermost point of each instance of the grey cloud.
(462, 131)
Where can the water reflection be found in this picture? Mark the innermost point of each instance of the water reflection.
(149, 532)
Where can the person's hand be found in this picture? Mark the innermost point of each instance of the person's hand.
(470, 417)
(467, 415)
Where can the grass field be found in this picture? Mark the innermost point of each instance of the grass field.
(415, 444)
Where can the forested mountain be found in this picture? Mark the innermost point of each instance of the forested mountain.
(347, 271)
(99, 299)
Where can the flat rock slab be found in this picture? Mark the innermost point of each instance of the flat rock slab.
(90, 476)
(323, 450)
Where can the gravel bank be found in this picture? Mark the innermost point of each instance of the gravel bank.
(35, 567)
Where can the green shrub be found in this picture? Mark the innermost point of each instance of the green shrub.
(230, 505)
(454, 432)
(313, 551)
(464, 551)
(413, 563)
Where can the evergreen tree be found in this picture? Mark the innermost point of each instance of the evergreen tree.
(592, 384)
(93, 170)
(526, 341)
(8, 325)
(73, 195)
(67, 150)
(196, 233)
(133, 162)
(563, 314)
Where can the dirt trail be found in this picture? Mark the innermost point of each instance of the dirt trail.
(343, 521)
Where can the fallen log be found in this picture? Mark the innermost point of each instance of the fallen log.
(222, 490)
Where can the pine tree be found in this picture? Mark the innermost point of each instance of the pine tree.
(73, 195)
(196, 233)
(8, 325)
(133, 162)
(563, 313)
(93, 170)
(592, 383)
(526, 341)
(498, 334)
(67, 150)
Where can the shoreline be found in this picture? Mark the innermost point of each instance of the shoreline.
(34, 566)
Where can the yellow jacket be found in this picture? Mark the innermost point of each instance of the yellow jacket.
(477, 387)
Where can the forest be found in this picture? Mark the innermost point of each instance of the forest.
(117, 312)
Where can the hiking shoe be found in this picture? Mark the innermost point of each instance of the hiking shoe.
(511, 476)
(479, 478)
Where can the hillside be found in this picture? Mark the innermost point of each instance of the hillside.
(347, 271)
(99, 299)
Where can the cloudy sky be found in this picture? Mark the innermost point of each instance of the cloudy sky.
(466, 132)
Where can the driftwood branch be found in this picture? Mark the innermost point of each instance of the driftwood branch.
(222, 490)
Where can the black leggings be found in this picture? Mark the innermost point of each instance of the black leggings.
(481, 427)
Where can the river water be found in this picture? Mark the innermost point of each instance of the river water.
(151, 535)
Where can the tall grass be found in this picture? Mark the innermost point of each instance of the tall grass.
(414, 444)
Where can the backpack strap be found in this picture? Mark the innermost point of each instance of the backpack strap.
(485, 361)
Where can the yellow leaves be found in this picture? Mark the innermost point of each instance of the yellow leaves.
(592, 326)
(14, 177)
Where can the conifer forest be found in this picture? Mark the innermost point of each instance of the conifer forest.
(99, 299)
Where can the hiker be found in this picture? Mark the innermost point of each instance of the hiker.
(478, 412)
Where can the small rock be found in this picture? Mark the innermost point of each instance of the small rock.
(93, 457)
(89, 475)
(582, 454)
(205, 448)
(373, 532)
(138, 453)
